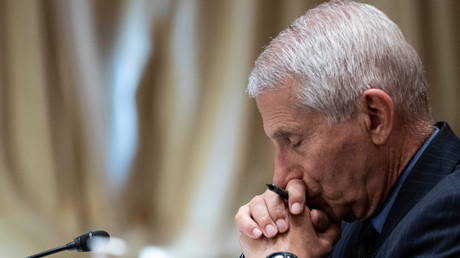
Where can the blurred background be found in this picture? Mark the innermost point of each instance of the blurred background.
(131, 116)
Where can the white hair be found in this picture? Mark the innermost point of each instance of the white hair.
(338, 50)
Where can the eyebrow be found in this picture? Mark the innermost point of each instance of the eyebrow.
(280, 133)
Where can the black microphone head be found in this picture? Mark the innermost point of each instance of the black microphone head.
(83, 242)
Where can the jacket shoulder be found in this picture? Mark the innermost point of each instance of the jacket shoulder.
(432, 227)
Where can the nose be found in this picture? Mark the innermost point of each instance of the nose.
(281, 169)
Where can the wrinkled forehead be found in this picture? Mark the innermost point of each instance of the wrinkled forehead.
(283, 96)
(281, 113)
(284, 93)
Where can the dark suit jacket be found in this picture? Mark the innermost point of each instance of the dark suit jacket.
(425, 218)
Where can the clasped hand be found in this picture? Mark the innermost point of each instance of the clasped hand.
(267, 225)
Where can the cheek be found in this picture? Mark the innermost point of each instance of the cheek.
(323, 163)
(337, 166)
(317, 165)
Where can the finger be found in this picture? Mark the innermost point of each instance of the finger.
(277, 210)
(259, 211)
(245, 224)
(296, 189)
(330, 236)
(319, 219)
(302, 221)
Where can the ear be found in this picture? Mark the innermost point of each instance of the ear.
(379, 112)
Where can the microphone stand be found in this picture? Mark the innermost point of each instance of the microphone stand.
(81, 244)
(68, 246)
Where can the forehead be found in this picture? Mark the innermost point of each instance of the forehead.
(281, 113)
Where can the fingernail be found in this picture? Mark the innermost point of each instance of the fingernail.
(282, 226)
(271, 230)
(296, 208)
(256, 233)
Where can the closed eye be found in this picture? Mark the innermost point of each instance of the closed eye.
(294, 141)
(296, 144)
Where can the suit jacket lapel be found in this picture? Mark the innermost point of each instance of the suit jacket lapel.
(438, 160)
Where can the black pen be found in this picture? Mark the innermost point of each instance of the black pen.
(281, 192)
(284, 194)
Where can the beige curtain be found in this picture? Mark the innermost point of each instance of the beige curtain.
(200, 150)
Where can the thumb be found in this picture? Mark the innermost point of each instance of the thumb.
(302, 222)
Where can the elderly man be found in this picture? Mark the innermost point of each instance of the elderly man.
(343, 98)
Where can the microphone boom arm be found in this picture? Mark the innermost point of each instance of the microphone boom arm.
(81, 244)
(51, 251)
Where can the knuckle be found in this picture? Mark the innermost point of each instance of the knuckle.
(260, 197)
(237, 217)
(256, 199)
(276, 204)
(296, 184)
(280, 212)
(264, 219)
(241, 214)
(327, 246)
(296, 192)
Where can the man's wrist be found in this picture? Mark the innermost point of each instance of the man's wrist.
(277, 255)
(282, 255)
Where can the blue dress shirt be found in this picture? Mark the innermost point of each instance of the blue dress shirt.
(379, 220)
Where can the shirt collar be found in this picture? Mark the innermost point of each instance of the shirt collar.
(379, 220)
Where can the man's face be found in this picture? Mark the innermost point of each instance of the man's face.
(332, 159)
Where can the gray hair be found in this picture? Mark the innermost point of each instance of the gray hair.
(338, 50)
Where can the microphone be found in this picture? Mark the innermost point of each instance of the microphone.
(81, 243)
